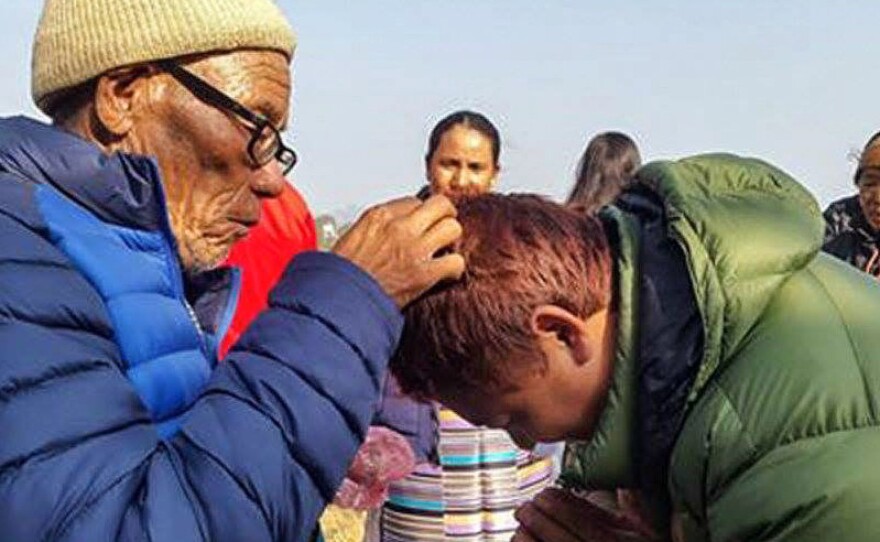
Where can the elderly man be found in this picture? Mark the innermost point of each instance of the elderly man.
(115, 421)
(694, 345)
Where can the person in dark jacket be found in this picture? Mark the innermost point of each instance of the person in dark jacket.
(116, 421)
(852, 224)
(727, 373)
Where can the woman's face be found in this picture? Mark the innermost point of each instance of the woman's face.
(869, 186)
(462, 164)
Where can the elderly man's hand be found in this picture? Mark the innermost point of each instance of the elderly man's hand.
(398, 243)
(558, 516)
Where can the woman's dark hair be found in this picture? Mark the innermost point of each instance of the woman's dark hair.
(469, 119)
(606, 167)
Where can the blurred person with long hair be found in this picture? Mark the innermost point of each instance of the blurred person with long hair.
(607, 166)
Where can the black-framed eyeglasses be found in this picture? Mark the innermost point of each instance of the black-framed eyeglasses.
(265, 144)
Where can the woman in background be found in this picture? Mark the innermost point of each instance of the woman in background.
(852, 224)
(606, 168)
(470, 480)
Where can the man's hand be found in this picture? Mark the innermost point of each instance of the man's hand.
(558, 516)
(398, 242)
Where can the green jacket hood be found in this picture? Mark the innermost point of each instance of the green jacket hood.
(745, 226)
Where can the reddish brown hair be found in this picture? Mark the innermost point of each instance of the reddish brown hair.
(522, 251)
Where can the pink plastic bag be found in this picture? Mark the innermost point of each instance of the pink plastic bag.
(384, 457)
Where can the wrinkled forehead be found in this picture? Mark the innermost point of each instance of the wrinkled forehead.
(258, 78)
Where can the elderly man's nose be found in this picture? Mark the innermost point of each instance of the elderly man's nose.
(268, 181)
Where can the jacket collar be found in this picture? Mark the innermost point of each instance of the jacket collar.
(607, 460)
(120, 189)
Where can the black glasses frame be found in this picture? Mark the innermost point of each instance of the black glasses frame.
(212, 96)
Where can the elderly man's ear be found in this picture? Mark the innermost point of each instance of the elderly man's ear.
(121, 97)
(561, 334)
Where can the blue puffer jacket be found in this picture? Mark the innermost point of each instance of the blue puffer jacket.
(114, 422)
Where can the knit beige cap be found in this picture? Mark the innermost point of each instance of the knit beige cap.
(78, 40)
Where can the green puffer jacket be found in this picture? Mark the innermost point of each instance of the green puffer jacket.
(780, 439)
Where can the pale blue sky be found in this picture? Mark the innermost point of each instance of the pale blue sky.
(789, 81)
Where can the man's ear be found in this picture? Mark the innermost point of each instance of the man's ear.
(558, 331)
(118, 97)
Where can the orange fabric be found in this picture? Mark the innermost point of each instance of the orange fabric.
(286, 228)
